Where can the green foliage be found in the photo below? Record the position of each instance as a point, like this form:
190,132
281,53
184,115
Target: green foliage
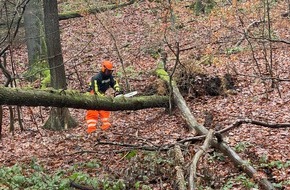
35,166
33,176
263,159
138,186
131,154
242,146
146,166
276,164
281,184
92,164
228,185
119,185
241,179
287,164
216,156
23,177
202,6
234,50
246,181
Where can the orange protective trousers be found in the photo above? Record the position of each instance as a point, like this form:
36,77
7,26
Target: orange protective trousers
92,120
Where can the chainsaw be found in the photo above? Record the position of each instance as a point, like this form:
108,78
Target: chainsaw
127,95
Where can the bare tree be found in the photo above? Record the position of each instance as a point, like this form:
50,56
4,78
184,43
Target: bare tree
34,35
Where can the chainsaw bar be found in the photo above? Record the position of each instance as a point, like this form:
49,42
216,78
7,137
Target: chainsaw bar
127,95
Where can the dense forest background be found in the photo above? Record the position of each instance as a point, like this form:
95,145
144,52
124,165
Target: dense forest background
230,61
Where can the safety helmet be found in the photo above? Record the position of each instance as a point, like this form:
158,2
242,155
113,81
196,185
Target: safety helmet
107,65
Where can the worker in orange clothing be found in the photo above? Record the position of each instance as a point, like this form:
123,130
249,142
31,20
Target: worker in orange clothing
99,84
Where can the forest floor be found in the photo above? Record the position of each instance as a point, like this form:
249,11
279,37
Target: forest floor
139,31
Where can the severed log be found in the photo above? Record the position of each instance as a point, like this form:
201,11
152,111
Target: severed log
70,99
193,165
201,130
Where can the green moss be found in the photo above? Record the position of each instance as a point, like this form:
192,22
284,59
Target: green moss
202,6
161,72
37,70
45,82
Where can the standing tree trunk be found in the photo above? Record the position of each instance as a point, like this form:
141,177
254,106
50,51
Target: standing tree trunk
1,119
59,117
34,34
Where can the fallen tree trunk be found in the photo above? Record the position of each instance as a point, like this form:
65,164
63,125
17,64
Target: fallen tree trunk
200,129
70,99
75,14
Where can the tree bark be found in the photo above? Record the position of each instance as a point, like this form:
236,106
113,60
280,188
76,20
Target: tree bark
70,99
179,161
180,178
200,129
34,34
1,119
59,118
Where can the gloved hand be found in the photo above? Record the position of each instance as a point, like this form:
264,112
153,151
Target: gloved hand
118,93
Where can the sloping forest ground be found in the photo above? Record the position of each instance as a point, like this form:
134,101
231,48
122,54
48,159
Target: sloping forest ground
139,31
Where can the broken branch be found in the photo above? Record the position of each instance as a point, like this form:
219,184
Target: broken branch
193,165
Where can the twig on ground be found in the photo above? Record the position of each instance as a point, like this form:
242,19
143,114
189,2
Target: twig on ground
254,122
166,147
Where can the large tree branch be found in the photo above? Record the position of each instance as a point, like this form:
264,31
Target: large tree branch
70,99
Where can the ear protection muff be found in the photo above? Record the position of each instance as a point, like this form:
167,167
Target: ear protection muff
103,69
